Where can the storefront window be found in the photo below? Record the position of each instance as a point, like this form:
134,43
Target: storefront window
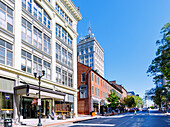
6,105
30,108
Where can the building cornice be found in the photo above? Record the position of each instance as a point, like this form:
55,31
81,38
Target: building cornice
22,73
74,9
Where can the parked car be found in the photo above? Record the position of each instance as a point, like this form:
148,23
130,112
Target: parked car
144,109
131,110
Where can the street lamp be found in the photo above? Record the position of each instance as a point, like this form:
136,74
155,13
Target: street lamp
39,100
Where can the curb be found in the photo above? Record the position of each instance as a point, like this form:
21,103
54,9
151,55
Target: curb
84,120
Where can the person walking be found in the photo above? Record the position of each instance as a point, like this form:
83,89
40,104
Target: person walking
135,111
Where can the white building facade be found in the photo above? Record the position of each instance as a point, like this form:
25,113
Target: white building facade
90,53
38,35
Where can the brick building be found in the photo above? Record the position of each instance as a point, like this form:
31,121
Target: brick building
93,90
124,91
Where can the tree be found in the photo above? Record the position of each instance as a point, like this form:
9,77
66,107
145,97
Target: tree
158,95
113,99
160,66
130,101
138,101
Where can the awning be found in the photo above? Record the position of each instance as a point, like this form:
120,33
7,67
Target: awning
34,92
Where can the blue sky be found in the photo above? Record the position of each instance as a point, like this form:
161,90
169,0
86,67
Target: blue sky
127,31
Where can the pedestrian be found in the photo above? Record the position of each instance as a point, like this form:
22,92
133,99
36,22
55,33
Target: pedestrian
135,111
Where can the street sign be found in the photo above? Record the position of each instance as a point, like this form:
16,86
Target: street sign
7,96
39,102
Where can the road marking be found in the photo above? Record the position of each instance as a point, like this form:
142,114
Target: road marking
87,124
124,122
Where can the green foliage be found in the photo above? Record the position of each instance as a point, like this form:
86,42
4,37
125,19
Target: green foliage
160,66
158,95
138,101
130,101
151,107
113,99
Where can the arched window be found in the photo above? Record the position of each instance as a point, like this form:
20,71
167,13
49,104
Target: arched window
64,35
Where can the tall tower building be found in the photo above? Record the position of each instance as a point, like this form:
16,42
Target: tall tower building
38,35
91,53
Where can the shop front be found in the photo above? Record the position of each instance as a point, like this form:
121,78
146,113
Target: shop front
6,98
30,109
65,107
95,106
29,104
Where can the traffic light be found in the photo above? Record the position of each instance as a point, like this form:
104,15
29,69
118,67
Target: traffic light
27,90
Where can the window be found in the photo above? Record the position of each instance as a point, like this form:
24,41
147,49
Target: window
83,91
38,11
26,61
82,59
47,68
64,77
26,31
6,17
82,52
95,79
98,92
70,41
58,52
83,77
46,20
104,94
91,49
6,53
70,61
62,34
86,60
37,65
58,75
27,4
93,90
61,12
70,80
91,60
92,77
37,38
58,31
98,80
101,82
64,56
86,50
47,44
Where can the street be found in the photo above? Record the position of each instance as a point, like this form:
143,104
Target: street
142,119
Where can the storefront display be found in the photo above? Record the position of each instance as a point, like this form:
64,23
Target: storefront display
6,98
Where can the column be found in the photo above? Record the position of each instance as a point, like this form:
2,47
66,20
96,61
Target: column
16,107
17,44
92,109
75,62
75,104
53,49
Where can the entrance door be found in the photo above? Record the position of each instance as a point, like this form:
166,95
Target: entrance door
29,108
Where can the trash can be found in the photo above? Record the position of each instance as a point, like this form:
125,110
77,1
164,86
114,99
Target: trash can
7,122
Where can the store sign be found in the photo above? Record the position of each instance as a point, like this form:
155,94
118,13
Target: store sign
39,102
7,96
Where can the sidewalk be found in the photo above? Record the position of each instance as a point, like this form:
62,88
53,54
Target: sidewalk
50,123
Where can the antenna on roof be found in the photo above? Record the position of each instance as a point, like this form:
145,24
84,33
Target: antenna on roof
89,29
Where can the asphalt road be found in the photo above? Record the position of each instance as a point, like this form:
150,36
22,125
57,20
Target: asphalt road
142,119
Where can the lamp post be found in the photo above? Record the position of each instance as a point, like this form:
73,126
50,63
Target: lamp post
39,100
